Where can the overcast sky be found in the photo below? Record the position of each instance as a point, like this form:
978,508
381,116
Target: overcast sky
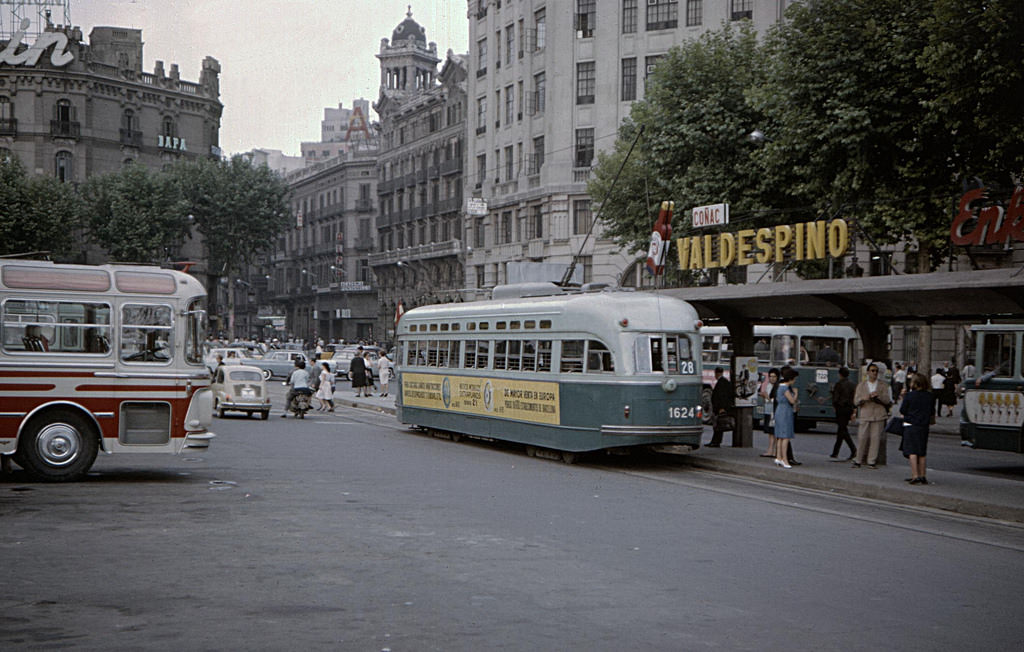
282,61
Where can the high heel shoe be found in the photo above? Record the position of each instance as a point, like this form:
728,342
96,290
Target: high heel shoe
783,464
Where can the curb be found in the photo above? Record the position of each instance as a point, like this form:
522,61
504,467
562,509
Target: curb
897,494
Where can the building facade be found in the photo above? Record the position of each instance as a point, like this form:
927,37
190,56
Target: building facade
420,253
318,278
79,109
341,130
548,86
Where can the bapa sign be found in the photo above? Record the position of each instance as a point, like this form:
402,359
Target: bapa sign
30,55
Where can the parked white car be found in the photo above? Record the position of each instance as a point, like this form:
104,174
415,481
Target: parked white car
231,355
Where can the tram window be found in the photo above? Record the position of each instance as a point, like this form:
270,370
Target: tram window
442,353
599,358
762,350
784,350
529,355
680,359
499,353
823,351
56,326
432,353
483,348
572,356
456,327
514,325
543,355
545,323
501,325
433,328
513,361
484,325
471,326
444,327
470,361
146,333
998,353
529,323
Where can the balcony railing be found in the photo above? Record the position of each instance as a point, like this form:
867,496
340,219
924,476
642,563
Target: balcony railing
65,129
364,205
131,138
9,127
451,166
419,252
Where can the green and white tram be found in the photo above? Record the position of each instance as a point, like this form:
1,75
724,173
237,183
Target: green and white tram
569,372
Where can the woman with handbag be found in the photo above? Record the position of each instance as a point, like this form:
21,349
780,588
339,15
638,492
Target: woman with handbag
767,394
918,411
785,416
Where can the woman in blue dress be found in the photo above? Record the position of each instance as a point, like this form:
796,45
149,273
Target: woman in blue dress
918,411
785,397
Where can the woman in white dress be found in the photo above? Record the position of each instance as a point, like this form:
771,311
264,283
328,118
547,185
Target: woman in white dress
326,391
384,373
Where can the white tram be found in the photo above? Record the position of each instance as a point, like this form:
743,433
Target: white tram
571,371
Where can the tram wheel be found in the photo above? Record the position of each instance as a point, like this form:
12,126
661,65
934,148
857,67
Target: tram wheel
531,451
58,447
456,437
569,457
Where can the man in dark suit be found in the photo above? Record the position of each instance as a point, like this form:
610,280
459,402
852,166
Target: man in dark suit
723,400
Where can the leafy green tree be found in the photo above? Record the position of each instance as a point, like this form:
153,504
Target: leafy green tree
36,213
239,208
136,215
694,149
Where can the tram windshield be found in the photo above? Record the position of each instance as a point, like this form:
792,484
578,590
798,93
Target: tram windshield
998,353
661,354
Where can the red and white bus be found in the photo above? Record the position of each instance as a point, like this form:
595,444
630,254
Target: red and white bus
99,358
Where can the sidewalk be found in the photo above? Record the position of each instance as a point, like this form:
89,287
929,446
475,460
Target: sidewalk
962,480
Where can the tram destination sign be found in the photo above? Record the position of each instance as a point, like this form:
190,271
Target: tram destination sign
802,241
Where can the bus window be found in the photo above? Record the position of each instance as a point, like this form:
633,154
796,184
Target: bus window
572,356
823,351
599,358
998,353
784,350
145,333
56,326
195,333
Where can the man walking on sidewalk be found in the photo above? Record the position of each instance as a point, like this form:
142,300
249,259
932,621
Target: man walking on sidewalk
842,401
723,399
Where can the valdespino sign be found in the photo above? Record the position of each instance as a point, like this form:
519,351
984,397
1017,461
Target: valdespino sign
801,241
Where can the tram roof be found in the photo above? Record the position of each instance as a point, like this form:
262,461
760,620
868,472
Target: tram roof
644,310
996,294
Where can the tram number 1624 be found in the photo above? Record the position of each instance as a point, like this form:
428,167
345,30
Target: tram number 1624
683,412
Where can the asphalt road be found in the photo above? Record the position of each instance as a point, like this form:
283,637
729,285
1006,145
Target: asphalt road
349,532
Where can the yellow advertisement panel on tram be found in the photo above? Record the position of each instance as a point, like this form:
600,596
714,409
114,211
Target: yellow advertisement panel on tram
536,402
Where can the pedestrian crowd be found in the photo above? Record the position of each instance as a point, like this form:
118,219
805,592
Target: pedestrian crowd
906,405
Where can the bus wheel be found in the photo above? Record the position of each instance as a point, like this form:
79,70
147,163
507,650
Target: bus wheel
58,447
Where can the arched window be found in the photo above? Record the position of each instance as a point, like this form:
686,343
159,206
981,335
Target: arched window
62,167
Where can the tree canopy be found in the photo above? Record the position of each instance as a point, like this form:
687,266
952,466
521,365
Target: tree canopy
36,213
877,112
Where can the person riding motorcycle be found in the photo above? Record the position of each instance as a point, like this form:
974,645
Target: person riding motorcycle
299,382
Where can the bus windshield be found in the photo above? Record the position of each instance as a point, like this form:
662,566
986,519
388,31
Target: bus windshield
998,353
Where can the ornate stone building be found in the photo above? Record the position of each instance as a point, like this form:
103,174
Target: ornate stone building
420,252
76,109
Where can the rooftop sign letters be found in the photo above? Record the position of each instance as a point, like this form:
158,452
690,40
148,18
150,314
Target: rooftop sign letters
30,55
975,224
803,241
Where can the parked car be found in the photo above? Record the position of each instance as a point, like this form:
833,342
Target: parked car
232,355
239,388
280,363
343,358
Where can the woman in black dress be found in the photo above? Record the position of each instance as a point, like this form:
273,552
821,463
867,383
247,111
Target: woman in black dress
918,411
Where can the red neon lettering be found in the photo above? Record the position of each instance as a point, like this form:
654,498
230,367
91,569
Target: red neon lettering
992,224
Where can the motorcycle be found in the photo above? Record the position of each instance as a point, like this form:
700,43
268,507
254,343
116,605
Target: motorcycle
299,405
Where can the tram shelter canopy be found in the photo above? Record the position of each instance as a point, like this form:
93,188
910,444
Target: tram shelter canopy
871,304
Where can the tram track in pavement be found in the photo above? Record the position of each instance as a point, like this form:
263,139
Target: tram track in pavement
923,520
